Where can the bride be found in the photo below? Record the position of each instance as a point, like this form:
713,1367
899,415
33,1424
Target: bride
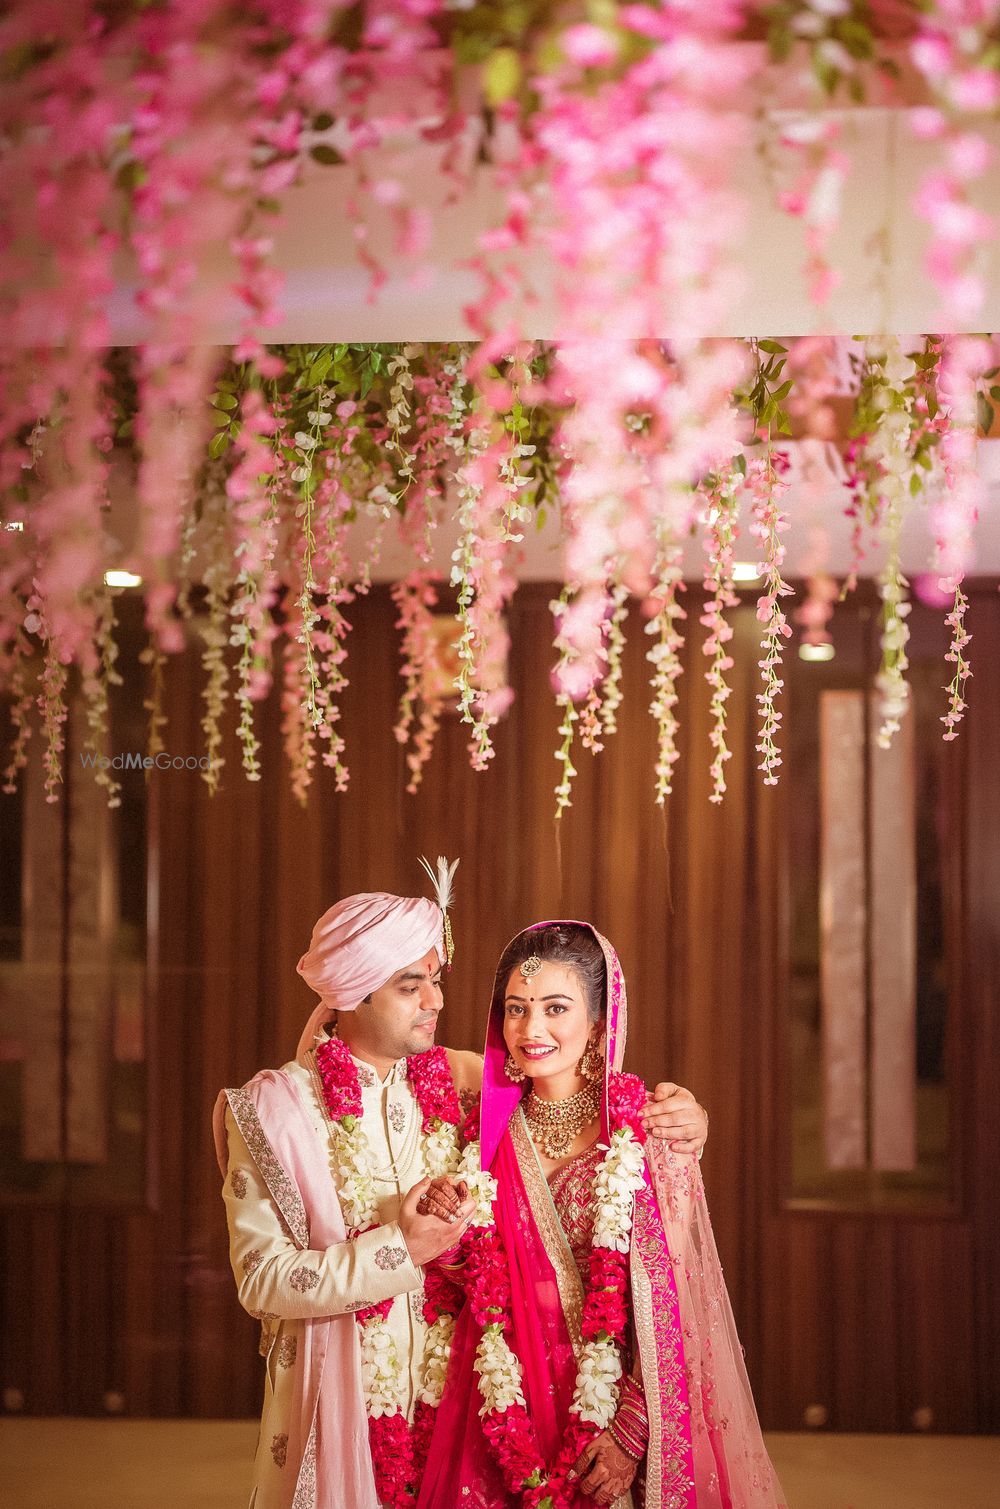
595,1360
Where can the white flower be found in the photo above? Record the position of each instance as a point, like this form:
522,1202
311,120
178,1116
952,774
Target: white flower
441,1151
381,1372
482,1186
596,1396
499,1372
437,1350
620,1175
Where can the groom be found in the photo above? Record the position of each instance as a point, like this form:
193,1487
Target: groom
333,1266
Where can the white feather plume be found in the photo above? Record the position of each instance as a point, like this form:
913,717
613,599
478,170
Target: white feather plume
441,879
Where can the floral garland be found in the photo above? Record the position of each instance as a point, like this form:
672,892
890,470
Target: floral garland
506,1423
398,1448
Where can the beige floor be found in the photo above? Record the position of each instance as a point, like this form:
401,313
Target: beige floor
183,1464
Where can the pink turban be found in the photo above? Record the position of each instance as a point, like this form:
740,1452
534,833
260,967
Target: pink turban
358,944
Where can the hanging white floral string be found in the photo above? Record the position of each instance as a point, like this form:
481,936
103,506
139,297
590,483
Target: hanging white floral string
664,654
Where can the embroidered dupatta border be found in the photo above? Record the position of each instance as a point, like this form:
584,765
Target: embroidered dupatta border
549,1228
669,1462
283,1190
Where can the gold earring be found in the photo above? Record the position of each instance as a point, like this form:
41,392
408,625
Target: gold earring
512,1071
591,1065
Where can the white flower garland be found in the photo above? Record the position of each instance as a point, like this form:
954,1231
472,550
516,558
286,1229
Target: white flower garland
384,1378
620,1175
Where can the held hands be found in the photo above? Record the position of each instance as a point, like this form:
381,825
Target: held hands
673,1113
429,1235
604,1470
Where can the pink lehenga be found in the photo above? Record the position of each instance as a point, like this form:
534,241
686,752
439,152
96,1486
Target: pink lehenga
705,1449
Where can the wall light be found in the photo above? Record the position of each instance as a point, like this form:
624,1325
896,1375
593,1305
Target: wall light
816,652
122,579
745,572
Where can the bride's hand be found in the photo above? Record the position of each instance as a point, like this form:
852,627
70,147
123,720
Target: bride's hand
443,1198
604,1470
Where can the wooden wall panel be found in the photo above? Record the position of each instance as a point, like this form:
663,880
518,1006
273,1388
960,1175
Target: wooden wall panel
870,1317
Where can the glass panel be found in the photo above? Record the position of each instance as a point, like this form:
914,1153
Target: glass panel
73,1077
906,1018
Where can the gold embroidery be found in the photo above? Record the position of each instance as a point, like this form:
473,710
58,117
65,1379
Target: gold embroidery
279,1449
305,1485
282,1189
252,1261
303,1279
389,1257
238,1183
553,1237
572,1191
288,1347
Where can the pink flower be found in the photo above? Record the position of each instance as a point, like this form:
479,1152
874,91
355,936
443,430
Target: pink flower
589,46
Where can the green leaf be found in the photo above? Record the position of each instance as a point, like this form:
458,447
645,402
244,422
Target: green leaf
221,421
740,464
219,444
329,156
986,413
915,485
323,121
995,394
225,400
783,391
774,346
319,369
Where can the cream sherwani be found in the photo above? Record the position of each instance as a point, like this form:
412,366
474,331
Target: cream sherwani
284,1286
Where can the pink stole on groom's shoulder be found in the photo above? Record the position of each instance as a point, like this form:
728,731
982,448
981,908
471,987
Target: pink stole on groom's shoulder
328,1448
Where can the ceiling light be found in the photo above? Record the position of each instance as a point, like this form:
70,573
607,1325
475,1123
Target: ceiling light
14,524
814,652
745,572
122,579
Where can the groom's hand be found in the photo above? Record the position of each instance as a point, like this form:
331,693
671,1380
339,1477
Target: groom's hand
427,1236
673,1114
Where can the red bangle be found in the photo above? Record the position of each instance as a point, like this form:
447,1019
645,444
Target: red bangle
625,1442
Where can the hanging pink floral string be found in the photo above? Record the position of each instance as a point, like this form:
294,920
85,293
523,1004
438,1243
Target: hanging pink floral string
721,504
955,51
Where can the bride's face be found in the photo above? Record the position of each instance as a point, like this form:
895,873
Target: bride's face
546,1027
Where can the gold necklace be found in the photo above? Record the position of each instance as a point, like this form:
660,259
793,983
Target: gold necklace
555,1124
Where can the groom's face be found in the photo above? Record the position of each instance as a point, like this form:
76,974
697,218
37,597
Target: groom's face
401,1017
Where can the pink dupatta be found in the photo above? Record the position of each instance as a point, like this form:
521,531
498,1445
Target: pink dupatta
705,1448
328,1427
